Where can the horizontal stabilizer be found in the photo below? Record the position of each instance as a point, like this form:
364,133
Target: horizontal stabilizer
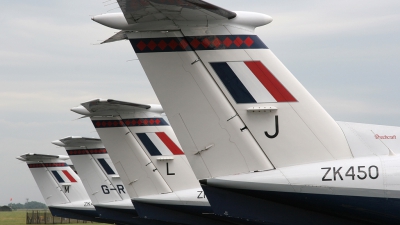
165,21
76,142
139,11
102,107
41,157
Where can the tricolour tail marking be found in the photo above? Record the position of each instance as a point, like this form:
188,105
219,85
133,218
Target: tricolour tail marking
63,176
158,143
251,82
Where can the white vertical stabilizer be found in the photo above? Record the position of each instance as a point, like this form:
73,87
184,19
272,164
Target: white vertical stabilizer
296,131
96,170
140,133
221,86
58,183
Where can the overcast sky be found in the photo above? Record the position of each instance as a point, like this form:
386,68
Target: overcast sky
346,53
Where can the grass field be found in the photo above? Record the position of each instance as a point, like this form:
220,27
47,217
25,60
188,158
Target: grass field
19,218
12,218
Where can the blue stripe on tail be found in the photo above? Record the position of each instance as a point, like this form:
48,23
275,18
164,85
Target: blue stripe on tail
58,177
151,148
106,167
238,91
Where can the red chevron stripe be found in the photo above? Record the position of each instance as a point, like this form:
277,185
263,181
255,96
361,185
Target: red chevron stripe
71,178
169,143
277,90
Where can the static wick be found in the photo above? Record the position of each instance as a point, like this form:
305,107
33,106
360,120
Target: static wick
131,60
195,61
112,9
232,117
110,4
133,181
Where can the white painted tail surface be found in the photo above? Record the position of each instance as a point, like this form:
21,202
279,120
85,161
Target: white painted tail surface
96,170
58,183
158,141
139,175
142,134
233,105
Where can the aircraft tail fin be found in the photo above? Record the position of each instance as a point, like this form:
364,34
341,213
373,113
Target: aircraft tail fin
136,170
57,182
95,168
147,133
247,84
221,86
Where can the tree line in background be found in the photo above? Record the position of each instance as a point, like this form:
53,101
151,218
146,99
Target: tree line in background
27,205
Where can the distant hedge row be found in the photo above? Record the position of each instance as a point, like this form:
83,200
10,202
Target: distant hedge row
5,208
28,205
